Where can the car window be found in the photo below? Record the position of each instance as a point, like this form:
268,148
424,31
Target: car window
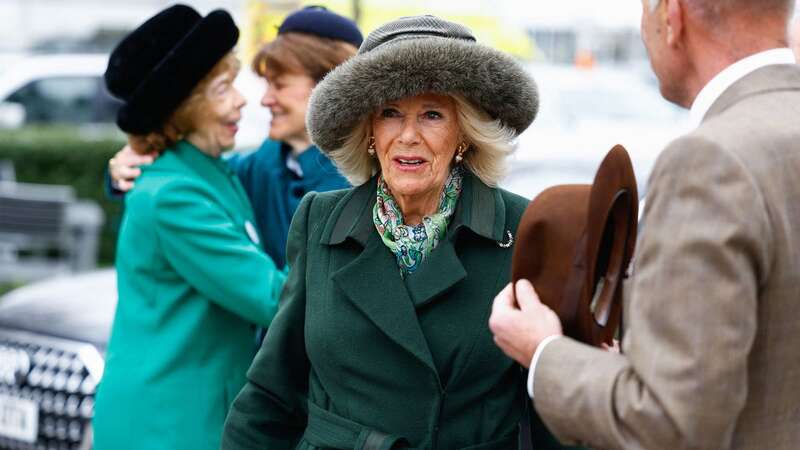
59,100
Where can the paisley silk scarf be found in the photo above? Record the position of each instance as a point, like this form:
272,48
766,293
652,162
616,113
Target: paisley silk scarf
411,244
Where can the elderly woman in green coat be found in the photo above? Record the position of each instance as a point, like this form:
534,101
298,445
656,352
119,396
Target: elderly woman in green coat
193,279
381,340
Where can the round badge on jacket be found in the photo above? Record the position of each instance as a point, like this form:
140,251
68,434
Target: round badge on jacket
251,232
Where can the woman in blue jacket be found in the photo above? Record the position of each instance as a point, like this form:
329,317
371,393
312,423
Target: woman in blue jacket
310,43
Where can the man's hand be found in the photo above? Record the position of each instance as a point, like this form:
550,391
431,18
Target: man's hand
520,325
124,167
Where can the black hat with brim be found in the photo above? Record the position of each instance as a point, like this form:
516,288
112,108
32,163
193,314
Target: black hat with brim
154,69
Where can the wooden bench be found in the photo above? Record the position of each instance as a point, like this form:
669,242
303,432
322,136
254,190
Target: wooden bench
45,231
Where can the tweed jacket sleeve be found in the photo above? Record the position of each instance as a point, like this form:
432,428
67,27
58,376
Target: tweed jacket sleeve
691,312
204,246
272,414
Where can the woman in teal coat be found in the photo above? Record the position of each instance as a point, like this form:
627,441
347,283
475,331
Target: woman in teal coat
382,341
309,44
193,280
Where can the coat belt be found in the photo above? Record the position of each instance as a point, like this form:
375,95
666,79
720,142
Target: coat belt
327,430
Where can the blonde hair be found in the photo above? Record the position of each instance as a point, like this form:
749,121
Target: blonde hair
182,121
488,140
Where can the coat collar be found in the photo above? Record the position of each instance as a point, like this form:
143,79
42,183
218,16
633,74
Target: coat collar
778,77
375,271
480,209
729,75
199,161
215,171
312,164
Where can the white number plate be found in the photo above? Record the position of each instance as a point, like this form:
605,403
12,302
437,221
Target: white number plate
19,418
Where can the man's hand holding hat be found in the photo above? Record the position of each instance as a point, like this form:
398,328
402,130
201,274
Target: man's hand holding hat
520,321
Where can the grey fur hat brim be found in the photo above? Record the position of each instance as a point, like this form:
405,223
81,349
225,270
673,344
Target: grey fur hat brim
407,67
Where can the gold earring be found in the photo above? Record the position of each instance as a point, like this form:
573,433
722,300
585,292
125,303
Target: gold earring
462,148
371,146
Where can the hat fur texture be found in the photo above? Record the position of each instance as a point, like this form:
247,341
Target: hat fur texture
413,64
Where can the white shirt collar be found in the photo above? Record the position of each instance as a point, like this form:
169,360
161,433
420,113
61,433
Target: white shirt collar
733,73
294,165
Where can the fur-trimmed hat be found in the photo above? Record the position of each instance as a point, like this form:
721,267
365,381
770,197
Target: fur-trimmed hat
317,20
157,65
415,55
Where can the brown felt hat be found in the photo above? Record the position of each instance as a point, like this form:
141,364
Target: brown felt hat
574,243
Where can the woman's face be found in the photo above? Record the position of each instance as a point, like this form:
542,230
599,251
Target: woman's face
216,125
415,142
286,98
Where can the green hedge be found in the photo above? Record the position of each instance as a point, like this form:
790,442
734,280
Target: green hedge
75,157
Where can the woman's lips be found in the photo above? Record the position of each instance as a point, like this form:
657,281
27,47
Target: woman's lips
409,164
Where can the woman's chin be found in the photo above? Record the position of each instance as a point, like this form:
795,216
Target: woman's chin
228,145
277,132
412,188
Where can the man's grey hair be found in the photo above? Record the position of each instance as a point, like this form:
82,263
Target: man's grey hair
712,10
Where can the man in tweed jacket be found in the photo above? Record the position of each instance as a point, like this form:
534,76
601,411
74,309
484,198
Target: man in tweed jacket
709,357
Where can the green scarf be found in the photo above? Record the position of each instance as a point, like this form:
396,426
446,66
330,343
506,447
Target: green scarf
412,244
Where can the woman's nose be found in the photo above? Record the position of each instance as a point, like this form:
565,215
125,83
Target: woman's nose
240,100
409,135
268,99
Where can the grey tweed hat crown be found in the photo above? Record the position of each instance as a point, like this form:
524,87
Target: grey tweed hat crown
415,55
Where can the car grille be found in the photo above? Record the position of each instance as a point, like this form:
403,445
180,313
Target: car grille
56,375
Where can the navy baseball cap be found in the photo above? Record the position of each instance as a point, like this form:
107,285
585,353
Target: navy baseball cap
317,20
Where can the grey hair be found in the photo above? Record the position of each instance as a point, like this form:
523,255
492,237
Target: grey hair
489,144
712,10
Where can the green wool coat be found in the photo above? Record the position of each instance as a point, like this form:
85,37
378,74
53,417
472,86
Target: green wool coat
192,283
360,358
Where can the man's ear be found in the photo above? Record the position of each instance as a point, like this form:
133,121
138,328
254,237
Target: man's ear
674,11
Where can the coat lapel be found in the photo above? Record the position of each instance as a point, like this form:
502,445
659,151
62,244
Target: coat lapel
435,275
218,174
373,284
778,77
371,281
444,268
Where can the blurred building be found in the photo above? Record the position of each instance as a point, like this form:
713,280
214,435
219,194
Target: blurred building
586,46
487,21
561,31
586,32
81,25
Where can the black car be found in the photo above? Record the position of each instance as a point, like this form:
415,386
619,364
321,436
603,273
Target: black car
53,338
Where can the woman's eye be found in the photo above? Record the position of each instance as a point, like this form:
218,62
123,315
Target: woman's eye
433,115
389,112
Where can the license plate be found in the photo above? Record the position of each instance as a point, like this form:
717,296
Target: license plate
19,419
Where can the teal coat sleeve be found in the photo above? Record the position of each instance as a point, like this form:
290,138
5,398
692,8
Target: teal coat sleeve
274,416
203,246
